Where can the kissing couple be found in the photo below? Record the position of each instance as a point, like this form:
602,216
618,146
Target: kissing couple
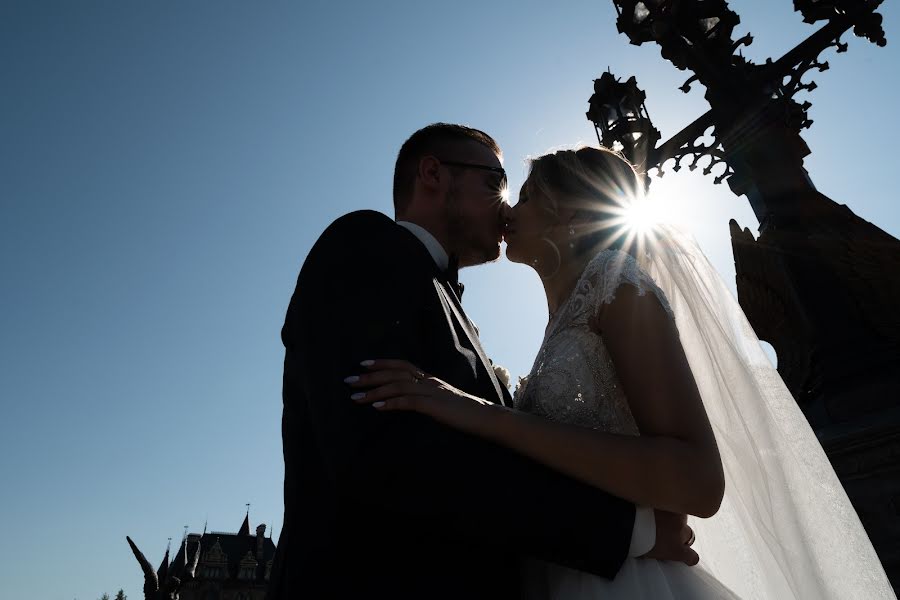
651,433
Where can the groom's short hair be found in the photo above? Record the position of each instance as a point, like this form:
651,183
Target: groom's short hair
432,139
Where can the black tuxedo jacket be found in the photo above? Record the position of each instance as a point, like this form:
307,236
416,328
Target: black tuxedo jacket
396,505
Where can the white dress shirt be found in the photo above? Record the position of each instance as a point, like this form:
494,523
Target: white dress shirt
440,256
643,534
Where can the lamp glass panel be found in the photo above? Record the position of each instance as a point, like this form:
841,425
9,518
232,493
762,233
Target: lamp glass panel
707,24
640,13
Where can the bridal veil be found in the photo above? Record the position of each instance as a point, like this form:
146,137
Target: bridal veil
786,528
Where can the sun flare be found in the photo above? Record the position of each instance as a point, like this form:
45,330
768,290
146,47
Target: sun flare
640,215
635,220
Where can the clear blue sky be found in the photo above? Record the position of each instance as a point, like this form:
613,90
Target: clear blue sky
166,166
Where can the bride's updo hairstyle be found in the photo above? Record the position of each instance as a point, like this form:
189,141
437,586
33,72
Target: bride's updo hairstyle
598,183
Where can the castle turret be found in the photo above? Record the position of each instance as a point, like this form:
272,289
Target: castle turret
245,526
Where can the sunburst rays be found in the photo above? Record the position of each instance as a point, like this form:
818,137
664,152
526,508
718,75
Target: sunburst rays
631,223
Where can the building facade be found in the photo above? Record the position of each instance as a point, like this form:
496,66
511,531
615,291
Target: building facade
231,566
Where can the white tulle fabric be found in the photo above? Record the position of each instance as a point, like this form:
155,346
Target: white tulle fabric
786,529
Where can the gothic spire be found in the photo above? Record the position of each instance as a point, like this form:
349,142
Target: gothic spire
245,526
184,547
179,567
162,574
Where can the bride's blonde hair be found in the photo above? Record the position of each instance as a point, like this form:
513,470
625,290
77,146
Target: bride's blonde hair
596,182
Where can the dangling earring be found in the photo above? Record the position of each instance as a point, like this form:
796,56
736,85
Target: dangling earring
571,237
558,258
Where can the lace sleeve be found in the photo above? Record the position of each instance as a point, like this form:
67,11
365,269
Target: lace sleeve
603,277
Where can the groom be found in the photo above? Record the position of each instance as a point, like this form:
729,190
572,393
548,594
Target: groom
395,505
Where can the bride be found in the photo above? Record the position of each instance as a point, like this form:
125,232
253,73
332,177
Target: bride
651,385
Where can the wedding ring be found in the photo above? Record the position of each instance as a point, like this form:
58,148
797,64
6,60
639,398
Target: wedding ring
418,376
691,541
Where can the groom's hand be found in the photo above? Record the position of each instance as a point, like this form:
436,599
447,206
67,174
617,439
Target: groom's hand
673,539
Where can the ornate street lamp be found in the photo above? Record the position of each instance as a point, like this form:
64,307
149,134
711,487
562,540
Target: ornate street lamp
868,23
622,123
745,97
815,10
682,28
636,18
620,118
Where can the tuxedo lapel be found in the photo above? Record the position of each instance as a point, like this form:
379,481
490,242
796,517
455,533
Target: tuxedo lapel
449,299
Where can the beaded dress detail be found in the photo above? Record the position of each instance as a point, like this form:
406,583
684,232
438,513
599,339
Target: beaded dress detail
573,379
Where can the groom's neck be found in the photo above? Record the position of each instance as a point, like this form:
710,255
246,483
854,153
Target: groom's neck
429,237
436,230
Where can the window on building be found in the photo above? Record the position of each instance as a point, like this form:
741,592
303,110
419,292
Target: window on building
213,572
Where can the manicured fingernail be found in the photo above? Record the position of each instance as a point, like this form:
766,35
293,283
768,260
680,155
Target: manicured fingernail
378,404
352,379
367,363
358,396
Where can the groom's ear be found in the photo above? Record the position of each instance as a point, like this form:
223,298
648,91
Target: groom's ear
429,173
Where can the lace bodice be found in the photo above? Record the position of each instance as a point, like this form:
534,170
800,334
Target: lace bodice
573,379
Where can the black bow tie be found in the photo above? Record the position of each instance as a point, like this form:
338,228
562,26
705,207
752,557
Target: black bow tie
452,276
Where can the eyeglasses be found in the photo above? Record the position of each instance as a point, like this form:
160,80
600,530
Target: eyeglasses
498,170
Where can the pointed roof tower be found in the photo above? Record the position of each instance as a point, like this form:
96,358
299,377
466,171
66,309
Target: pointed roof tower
179,566
162,573
245,526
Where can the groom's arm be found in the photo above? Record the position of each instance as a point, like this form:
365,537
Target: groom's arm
406,466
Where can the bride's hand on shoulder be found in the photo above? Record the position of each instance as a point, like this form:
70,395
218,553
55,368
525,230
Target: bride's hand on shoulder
392,385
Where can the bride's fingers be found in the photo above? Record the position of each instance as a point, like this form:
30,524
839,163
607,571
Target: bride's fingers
375,378
387,391
691,557
399,403
390,364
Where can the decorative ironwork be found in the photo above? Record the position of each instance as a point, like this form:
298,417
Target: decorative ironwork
697,151
697,35
691,35
696,23
621,121
868,22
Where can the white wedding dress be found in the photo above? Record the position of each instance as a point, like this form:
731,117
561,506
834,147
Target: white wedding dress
786,528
